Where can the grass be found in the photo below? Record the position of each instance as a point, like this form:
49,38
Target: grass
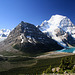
17,53
16,62
59,74
39,67
6,53
18,59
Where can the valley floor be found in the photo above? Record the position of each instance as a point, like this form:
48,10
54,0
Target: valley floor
60,74
31,65
54,55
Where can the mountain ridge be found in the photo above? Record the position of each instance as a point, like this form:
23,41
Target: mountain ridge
28,38
58,27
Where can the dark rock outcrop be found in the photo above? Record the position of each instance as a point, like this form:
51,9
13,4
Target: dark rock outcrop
26,37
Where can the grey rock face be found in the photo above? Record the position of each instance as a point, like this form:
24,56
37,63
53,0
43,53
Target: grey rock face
69,40
26,32
28,38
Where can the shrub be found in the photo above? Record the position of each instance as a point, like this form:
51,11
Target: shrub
66,63
49,70
61,71
55,70
73,70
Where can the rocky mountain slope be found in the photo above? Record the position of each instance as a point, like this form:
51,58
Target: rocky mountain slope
29,39
60,28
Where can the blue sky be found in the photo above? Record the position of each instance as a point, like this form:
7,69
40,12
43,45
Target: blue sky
12,12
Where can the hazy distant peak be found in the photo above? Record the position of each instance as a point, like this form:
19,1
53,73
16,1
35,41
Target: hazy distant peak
4,33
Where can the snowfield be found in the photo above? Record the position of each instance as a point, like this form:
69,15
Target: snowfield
56,24
4,33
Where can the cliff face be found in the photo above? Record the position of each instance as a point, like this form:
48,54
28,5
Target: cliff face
27,38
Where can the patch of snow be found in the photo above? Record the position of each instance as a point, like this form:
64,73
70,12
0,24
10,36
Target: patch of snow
44,31
73,36
58,22
22,41
29,41
4,33
2,38
22,38
73,31
34,40
20,25
74,51
59,40
29,37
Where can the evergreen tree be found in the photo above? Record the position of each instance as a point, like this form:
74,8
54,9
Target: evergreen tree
43,72
73,70
62,63
66,63
71,63
55,70
61,71
49,70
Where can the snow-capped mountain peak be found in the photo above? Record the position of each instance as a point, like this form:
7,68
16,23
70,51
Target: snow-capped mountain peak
55,19
57,27
4,33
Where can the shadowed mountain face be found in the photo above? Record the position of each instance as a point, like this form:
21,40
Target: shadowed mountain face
29,39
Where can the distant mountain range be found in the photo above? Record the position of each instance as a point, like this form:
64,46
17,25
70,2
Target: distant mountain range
4,33
56,33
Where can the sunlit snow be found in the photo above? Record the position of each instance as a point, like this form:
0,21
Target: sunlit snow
4,33
57,22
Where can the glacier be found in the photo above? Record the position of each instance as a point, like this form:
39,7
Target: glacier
57,27
58,24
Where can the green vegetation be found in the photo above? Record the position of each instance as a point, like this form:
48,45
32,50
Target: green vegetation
61,71
12,53
19,59
48,70
73,70
66,63
55,70
37,68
